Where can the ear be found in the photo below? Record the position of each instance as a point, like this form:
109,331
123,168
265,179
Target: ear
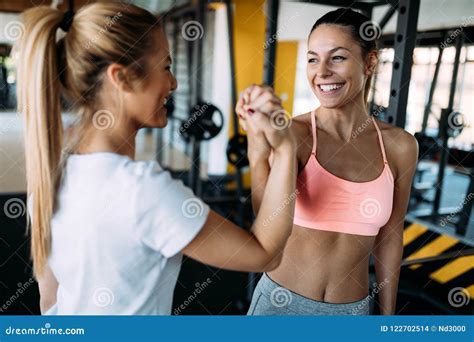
371,63
119,77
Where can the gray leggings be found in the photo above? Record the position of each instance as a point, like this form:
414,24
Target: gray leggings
269,298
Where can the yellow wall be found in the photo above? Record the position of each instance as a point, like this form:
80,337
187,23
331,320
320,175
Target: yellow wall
249,38
285,72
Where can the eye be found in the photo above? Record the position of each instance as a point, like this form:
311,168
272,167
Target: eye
338,58
312,60
168,68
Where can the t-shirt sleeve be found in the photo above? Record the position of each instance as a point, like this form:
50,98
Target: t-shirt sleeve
169,215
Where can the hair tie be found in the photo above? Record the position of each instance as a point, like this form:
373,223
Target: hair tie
67,21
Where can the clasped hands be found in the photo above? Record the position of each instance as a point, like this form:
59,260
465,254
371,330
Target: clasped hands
267,124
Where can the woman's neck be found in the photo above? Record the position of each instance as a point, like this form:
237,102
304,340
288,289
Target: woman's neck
120,140
343,121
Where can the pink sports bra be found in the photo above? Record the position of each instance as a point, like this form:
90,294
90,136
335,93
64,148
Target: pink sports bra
327,202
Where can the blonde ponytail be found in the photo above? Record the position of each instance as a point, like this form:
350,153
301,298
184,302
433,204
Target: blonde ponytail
39,102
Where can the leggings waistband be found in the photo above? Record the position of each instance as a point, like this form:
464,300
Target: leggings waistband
279,298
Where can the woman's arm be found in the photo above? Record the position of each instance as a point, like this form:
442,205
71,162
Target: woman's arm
222,244
388,248
260,154
259,170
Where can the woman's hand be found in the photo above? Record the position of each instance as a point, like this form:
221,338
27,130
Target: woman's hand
241,112
258,147
261,98
257,100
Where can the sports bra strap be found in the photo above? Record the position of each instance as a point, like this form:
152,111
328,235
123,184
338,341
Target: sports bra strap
380,140
313,126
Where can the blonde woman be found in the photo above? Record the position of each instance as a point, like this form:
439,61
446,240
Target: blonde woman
108,232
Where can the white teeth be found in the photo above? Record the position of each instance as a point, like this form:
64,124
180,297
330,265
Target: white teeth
165,100
329,87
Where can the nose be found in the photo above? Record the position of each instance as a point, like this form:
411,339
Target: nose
323,70
174,83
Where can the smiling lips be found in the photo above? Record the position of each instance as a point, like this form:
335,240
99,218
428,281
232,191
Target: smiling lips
330,88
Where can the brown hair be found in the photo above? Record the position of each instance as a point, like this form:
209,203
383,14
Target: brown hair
364,31
74,66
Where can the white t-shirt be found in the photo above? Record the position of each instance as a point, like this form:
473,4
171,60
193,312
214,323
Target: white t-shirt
117,236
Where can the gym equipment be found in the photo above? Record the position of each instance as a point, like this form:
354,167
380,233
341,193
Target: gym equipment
453,125
204,123
4,86
434,82
428,146
237,151
465,212
444,127
224,193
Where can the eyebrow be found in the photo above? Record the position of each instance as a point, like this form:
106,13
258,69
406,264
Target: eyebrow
330,51
169,60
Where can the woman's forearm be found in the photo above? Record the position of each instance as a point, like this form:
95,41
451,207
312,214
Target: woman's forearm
388,260
259,172
272,225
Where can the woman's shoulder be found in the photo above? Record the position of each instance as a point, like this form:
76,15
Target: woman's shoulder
401,146
144,168
139,175
397,138
301,129
301,125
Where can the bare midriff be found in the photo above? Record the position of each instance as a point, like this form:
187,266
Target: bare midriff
325,266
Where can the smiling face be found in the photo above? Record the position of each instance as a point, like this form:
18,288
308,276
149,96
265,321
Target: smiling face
337,70
146,104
